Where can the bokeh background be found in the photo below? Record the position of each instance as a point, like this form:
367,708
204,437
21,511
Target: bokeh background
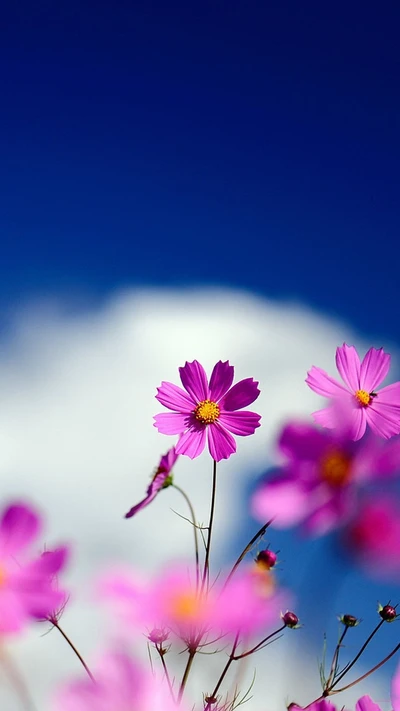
188,180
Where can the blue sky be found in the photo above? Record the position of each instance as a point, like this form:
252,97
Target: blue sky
249,144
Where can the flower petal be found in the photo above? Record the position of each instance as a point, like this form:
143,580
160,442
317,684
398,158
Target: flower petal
359,423
240,423
174,398
241,395
322,383
221,380
221,444
395,690
348,365
192,442
194,380
300,440
171,423
19,527
383,420
374,369
325,417
283,500
365,703
141,505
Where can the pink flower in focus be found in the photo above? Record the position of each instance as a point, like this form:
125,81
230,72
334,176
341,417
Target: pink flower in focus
207,410
379,408
158,482
317,484
26,584
121,685
247,604
373,536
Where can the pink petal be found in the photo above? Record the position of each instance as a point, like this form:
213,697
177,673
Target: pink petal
240,423
46,565
194,380
359,417
395,690
365,703
326,417
168,460
171,423
300,440
285,501
241,395
382,420
390,395
221,380
221,444
19,527
174,398
12,613
374,369
322,383
192,442
141,505
348,365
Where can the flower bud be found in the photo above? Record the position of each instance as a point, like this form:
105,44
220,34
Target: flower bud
157,636
290,619
349,620
388,613
266,559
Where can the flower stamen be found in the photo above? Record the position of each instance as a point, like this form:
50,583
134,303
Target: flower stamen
335,469
207,412
363,397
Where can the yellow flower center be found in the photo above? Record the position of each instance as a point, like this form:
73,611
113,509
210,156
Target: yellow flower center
185,606
2,576
363,397
335,469
207,412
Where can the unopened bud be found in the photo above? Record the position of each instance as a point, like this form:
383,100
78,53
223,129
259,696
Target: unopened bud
388,613
290,619
266,559
158,636
349,620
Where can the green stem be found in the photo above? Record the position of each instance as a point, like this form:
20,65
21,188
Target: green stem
196,540
259,645
357,657
224,672
74,649
210,526
248,548
368,673
335,659
161,652
192,652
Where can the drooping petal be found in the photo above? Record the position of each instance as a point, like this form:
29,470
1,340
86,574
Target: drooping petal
365,703
284,500
241,423
171,423
348,365
301,440
174,398
241,395
221,380
168,460
221,444
194,380
374,369
141,505
192,442
19,527
322,383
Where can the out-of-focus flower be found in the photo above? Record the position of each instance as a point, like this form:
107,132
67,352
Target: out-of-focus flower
379,408
207,410
26,582
161,479
395,690
364,703
318,483
248,603
373,536
121,685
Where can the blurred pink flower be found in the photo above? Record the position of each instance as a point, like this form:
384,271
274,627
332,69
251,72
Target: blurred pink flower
247,604
26,583
317,484
373,535
395,690
207,410
379,408
364,703
158,482
120,685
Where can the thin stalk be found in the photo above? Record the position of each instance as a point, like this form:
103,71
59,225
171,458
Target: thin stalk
74,649
259,645
196,540
210,526
335,659
161,653
245,550
192,652
224,672
368,673
358,655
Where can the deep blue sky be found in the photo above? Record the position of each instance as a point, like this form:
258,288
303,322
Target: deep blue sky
248,143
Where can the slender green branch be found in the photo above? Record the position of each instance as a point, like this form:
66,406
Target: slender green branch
210,527
259,645
224,672
196,541
335,659
358,655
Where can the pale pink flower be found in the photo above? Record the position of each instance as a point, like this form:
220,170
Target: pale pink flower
120,685
207,410
380,409
26,582
160,480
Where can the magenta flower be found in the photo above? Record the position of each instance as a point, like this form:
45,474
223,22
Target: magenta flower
26,584
121,685
207,410
318,483
379,408
365,703
373,536
395,690
158,482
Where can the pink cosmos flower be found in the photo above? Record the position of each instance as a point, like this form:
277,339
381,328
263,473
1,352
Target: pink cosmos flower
207,410
317,485
373,536
121,685
379,408
365,703
26,583
158,482
247,604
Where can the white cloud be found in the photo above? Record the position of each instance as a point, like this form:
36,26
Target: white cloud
76,434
